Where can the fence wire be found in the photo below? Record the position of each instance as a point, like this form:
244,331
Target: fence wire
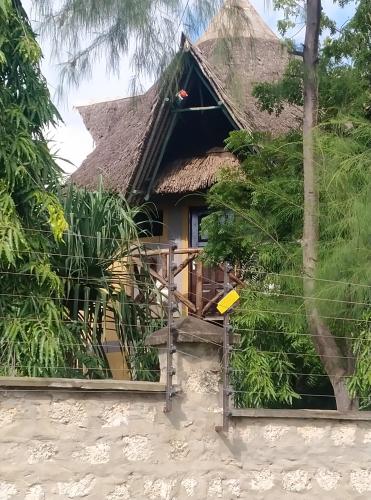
109,316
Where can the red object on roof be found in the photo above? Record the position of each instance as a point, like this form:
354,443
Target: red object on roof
183,93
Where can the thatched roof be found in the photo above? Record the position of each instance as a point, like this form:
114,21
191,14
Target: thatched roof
198,173
100,118
119,129
129,132
237,19
243,51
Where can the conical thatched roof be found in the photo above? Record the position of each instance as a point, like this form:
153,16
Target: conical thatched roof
237,19
237,51
242,51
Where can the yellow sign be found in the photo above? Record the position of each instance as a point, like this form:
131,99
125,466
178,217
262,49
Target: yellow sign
227,302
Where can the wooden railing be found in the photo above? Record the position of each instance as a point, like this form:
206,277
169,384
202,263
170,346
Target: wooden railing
199,287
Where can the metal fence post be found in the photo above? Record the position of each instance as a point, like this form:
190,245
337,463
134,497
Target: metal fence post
171,349
226,354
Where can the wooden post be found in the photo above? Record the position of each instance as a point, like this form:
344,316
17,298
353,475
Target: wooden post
199,288
164,265
226,354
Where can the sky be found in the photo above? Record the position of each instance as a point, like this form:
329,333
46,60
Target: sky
71,140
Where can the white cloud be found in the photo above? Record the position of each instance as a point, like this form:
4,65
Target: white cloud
72,143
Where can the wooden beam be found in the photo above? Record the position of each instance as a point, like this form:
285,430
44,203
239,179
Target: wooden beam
205,108
25,383
179,251
185,301
214,300
187,250
185,263
232,276
237,280
164,264
213,93
177,295
169,131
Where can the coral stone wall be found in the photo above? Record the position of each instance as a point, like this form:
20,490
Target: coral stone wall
112,446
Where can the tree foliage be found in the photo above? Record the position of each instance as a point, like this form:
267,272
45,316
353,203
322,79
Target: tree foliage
344,71
57,246
261,210
33,335
87,31
93,263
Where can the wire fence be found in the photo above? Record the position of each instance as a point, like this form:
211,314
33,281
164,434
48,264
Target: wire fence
105,310
92,323
304,375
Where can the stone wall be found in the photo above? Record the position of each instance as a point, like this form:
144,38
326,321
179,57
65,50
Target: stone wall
111,446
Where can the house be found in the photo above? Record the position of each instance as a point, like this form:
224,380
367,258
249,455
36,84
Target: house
166,146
